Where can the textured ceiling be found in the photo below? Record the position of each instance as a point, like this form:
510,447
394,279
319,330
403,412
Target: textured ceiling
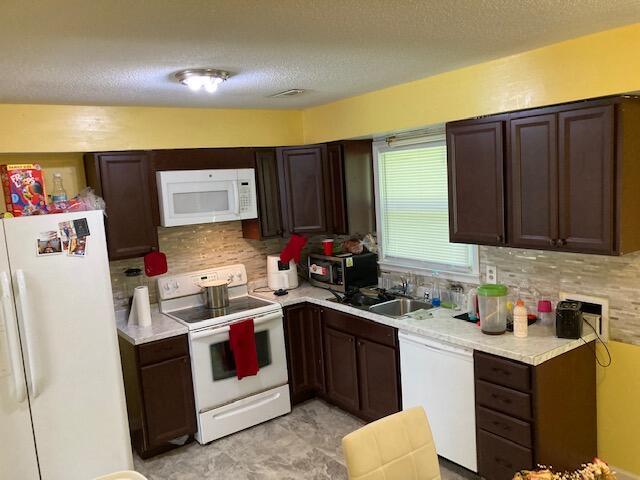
114,52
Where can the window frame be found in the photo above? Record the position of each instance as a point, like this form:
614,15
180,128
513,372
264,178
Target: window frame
394,264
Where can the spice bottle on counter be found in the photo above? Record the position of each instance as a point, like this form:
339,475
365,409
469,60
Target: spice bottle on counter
520,322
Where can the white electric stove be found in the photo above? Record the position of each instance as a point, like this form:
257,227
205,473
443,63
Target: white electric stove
224,404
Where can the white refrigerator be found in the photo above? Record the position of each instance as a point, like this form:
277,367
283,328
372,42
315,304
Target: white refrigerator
62,405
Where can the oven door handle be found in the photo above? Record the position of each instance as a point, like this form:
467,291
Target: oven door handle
211,331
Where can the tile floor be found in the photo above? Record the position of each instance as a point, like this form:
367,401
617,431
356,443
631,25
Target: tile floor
302,445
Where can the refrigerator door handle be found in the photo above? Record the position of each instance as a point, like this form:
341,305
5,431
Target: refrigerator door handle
26,322
13,340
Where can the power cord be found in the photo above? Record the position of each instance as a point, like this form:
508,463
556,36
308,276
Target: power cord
595,354
267,289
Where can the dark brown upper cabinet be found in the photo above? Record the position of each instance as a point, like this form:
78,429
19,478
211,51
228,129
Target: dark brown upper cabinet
269,221
351,182
304,188
534,182
125,181
586,179
561,180
475,158
571,177
338,196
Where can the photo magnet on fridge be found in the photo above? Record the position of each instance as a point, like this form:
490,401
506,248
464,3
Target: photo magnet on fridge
67,231
77,247
82,227
48,243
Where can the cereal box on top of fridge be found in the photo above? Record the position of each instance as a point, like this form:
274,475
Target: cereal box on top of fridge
24,192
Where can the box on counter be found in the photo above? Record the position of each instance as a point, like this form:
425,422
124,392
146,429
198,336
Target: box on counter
24,191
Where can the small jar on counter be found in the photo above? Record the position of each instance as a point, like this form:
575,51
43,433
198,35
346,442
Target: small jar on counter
546,314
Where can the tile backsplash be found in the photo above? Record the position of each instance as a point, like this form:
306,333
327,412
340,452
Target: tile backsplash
529,273
615,278
196,247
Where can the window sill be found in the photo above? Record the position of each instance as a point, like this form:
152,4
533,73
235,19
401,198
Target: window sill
473,278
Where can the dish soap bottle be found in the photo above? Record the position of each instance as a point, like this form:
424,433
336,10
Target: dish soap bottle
59,194
435,293
520,322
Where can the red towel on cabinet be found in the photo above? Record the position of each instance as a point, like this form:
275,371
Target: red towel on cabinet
293,249
243,345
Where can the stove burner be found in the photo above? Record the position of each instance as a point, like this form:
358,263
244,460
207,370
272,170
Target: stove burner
236,305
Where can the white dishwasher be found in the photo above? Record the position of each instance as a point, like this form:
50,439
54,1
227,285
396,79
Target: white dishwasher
439,377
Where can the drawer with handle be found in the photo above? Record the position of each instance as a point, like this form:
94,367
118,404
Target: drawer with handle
503,399
502,371
500,459
507,427
160,350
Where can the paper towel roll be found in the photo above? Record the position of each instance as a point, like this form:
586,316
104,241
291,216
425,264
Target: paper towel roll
140,313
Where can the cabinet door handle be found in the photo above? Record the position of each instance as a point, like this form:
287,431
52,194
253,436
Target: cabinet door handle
503,462
552,242
562,242
503,426
501,371
501,398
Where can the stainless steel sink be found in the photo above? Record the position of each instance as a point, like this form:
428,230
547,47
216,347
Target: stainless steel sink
399,307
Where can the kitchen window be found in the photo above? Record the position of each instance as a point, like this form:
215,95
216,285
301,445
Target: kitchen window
413,210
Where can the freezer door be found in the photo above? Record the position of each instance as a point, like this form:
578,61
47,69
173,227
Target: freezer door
66,317
18,451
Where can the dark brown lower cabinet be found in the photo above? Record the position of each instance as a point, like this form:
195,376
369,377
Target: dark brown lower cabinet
349,361
159,391
341,365
378,380
528,415
303,340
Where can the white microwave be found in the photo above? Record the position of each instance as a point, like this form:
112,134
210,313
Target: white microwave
188,197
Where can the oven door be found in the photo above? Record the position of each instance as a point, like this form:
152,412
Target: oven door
198,196
214,373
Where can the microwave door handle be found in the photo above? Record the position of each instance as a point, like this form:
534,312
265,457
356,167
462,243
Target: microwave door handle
237,198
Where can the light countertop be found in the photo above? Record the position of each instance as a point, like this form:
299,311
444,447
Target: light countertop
161,327
541,344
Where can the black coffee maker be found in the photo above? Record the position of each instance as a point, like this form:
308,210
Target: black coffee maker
569,319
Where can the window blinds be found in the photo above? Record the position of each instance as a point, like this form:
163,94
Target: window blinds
414,209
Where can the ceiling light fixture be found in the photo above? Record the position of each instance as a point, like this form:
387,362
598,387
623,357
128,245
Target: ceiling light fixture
202,78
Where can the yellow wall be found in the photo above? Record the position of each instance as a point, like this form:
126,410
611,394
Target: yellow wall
619,408
67,128
589,66
30,132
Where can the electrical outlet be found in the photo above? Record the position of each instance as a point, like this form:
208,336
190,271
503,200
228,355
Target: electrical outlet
492,274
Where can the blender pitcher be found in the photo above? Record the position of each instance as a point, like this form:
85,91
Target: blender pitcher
492,301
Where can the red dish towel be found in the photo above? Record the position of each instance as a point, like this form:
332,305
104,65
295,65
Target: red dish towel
243,346
293,249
